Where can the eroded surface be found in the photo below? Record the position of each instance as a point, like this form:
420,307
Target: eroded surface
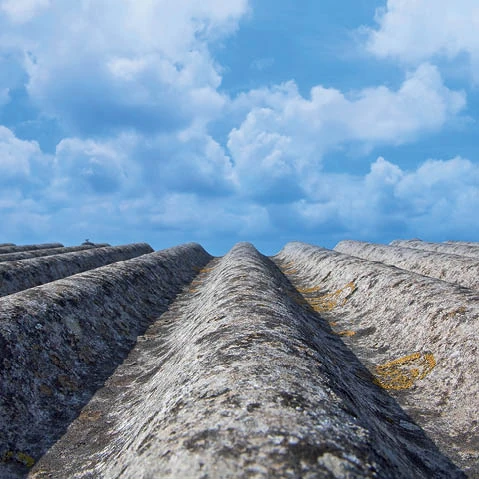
417,335
457,247
453,268
60,342
238,380
313,365
23,274
46,252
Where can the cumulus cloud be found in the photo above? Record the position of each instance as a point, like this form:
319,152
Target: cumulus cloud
137,155
101,66
415,31
283,138
93,186
19,159
437,197
105,186
89,166
131,164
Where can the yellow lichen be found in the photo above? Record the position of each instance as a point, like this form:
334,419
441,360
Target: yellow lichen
206,270
88,415
452,314
403,372
346,333
19,456
329,301
309,290
288,268
25,459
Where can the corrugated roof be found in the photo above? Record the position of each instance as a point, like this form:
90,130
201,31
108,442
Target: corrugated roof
359,362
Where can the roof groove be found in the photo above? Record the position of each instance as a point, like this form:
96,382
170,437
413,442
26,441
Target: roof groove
394,314
455,269
311,363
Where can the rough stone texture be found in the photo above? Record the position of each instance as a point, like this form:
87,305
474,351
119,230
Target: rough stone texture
448,248
59,342
6,248
46,252
325,368
418,336
6,244
238,380
19,275
464,243
455,269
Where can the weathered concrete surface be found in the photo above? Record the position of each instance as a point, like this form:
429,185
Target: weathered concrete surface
46,252
417,335
455,269
448,248
28,247
60,341
19,275
464,243
237,380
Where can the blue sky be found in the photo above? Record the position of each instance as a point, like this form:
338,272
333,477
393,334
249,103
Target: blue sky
218,122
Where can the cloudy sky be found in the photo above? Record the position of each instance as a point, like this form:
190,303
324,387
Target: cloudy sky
242,120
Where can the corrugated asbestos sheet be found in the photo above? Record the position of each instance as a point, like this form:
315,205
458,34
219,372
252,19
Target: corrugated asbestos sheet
122,362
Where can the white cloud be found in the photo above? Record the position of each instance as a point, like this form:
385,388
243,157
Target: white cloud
437,198
203,217
383,172
16,156
100,66
179,182
266,158
442,187
414,31
190,161
21,215
284,136
21,11
12,75
89,166
92,188
135,87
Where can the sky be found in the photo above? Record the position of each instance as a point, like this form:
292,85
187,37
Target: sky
216,122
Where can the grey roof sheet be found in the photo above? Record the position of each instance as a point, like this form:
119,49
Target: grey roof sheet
312,363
